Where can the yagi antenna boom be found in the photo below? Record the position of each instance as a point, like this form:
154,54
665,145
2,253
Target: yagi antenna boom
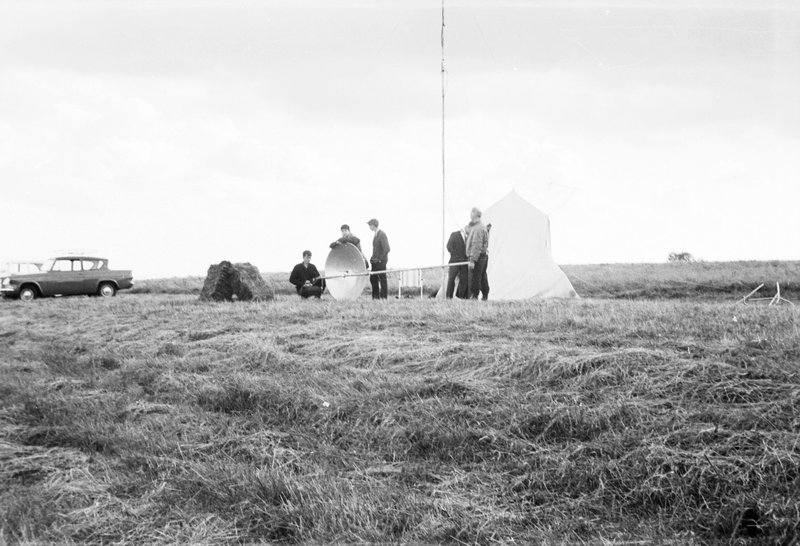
346,273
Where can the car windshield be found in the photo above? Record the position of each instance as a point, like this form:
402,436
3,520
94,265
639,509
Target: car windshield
47,265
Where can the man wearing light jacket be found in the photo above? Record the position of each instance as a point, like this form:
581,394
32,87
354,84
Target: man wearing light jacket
478,255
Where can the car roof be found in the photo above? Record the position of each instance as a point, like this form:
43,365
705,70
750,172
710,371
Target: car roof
79,258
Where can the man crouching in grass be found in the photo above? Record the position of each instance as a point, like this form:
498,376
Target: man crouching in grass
305,278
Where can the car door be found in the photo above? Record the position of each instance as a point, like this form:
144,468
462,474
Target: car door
92,271
65,278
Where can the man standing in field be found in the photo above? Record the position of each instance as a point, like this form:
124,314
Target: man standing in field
380,256
478,255
305,278
457,247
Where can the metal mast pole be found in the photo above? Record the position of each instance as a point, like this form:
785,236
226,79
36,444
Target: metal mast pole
444,271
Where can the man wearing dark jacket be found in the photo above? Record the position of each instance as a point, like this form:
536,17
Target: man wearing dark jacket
348,237
305,278
457,247
380,256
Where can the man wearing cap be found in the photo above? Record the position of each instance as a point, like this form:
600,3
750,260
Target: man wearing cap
305,278
380,255
478,255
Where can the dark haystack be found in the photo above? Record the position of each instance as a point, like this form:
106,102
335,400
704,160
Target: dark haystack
251,285
243,281
219,282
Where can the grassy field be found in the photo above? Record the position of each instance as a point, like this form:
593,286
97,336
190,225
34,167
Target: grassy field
707,281
157,418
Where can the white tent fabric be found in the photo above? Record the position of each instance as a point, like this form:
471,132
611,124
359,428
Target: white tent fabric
521,265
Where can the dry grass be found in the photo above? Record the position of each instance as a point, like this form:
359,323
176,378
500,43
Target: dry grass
155,419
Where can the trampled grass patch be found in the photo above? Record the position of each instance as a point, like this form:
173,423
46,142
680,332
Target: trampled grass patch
157,418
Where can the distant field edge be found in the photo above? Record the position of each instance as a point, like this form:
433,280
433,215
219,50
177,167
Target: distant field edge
669,280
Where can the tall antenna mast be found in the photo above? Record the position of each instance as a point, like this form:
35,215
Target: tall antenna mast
444,271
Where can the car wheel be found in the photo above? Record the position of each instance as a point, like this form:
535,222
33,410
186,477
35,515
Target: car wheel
107,290
27,294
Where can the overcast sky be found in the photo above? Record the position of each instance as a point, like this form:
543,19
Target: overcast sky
171,135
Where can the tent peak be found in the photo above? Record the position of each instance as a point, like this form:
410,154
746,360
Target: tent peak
514,197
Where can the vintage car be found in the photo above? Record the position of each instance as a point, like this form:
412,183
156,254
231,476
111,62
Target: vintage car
67,276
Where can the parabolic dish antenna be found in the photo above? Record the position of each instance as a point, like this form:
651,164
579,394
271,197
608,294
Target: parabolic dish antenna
345,272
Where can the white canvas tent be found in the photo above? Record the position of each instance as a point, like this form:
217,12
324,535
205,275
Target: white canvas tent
521,265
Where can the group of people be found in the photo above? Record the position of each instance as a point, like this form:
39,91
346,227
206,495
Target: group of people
468,247
470,244
308,282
